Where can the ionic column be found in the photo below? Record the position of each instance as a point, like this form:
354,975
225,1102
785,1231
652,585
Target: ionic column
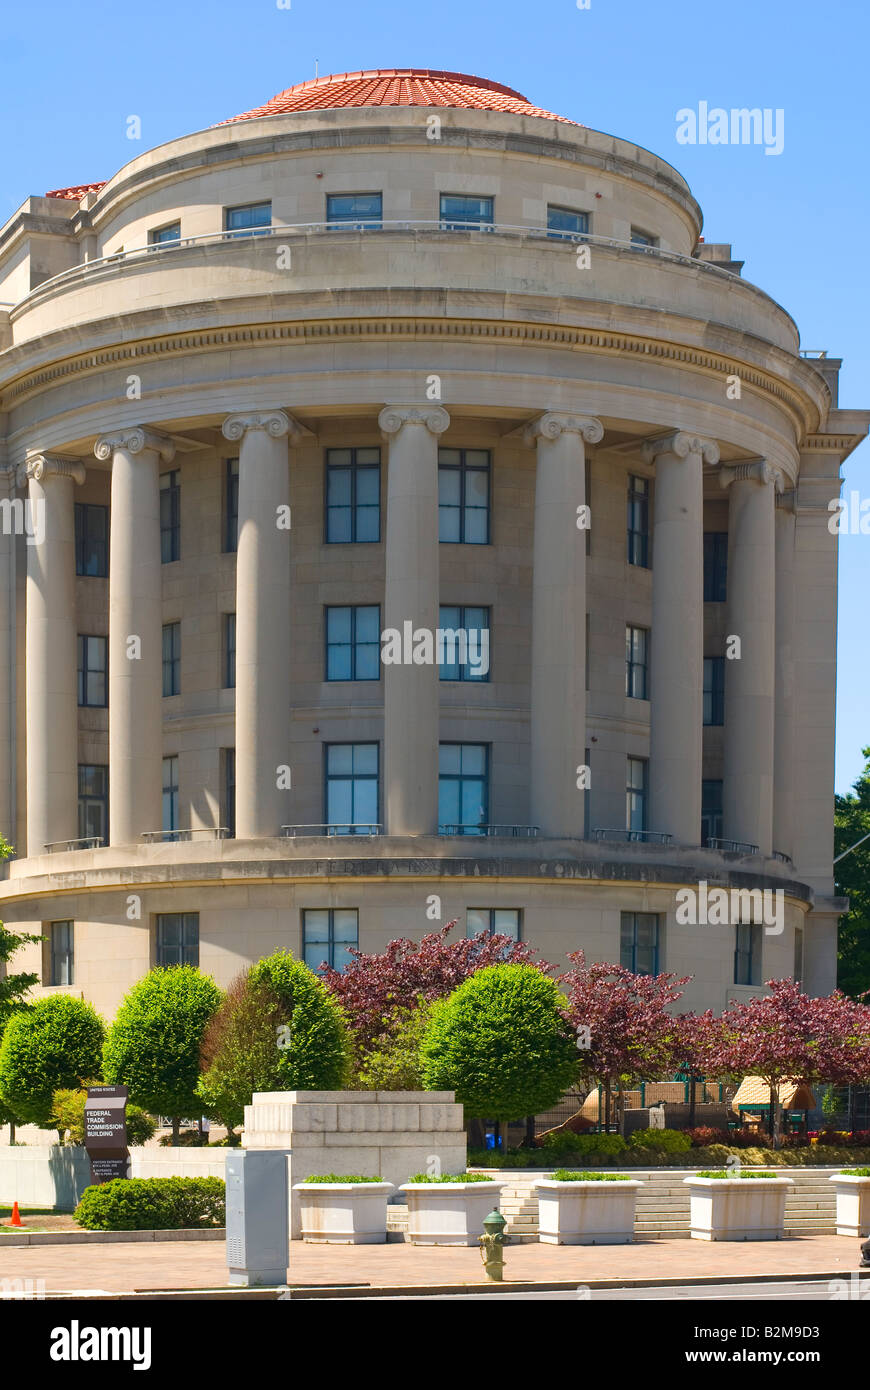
262,621
784,751
411,695
677,637
50,642
747,794
558,675
135,623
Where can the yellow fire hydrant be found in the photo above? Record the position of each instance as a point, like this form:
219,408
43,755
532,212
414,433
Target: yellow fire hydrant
492,1244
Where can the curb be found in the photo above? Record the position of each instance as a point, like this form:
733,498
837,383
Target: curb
106,1237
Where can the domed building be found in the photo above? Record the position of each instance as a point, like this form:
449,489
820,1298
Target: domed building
407,516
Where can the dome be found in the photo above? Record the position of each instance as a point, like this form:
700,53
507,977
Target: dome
398,87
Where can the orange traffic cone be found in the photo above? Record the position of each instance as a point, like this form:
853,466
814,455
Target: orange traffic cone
16,1216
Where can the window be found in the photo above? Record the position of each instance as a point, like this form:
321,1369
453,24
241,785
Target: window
638,522
327,932
747,954
161,236
495,921
639,934
228,814
711,810
565,222
715,566
94,801
177,939
463,788
636,786
170,794
355,210
170,517
353,636
253,219
93,655
461,210
714,690
61,946
231,505
639,238
92,540
463,496
798,971
351,785
229,651
465,643
353,495
637,663
587,794
171,658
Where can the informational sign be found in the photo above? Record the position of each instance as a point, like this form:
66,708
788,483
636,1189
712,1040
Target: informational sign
106,1132
657,1117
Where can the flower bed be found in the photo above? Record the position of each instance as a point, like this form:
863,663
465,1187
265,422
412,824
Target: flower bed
586,1208
449,1210
725,1206
343,1209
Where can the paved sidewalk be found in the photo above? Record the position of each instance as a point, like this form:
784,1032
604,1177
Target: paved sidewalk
170,1265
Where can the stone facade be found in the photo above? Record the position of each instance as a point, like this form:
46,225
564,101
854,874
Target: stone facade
124,359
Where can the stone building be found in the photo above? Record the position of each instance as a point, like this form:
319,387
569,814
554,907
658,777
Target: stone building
399,352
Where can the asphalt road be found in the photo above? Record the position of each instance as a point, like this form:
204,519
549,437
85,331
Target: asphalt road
801,1290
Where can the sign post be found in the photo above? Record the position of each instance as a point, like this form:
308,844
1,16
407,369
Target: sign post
106,1132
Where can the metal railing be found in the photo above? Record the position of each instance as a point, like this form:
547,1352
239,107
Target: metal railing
83,842
168,837
782,857
367,828
506,832
731,846
300,229
648,837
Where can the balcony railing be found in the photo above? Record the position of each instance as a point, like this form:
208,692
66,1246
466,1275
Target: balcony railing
83,842
506,832
647,837
783,858
168,837
367,828
731,846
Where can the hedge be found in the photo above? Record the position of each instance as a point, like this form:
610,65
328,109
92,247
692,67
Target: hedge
153,1204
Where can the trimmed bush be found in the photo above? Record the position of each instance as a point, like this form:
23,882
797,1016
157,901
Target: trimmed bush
663,1141
340,1177
604,1145
68,1113
856,1173
740,1173
52,1044
566,1175
501,1042
153,1204
424,1179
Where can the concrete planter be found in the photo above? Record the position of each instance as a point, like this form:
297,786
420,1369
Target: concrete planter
449,1213
737,1208
586,1213
344,1213
853,1204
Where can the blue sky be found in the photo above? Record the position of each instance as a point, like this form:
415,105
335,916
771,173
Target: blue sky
71,74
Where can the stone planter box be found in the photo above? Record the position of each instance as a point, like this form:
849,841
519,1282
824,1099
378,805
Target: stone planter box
449,1213
737,1208
344,1213
853,1205
586,1213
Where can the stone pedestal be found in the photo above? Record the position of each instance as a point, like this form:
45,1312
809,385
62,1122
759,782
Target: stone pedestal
386,1134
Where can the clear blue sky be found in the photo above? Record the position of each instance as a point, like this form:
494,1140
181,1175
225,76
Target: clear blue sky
70,74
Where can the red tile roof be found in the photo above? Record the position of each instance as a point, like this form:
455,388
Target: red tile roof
398,87
77,192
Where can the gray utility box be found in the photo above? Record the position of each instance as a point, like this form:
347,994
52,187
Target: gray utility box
258,1220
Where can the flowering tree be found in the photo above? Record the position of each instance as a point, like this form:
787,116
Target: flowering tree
374,987
788,1035
624,1030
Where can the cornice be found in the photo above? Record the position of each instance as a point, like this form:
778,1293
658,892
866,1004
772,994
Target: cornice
559,337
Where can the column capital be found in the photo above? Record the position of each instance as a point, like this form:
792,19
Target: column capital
275,423
135,440
753,470
554,422
40,467
433,417
681,444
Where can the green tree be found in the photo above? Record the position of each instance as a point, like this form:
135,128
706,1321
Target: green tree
52,1044
12,987
393,1062
279,1029
154,1043
852,880
502,1043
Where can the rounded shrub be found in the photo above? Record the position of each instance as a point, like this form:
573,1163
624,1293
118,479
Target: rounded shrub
317,1055
49,1045
501,1042
662,1141
153,1204
604,1145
